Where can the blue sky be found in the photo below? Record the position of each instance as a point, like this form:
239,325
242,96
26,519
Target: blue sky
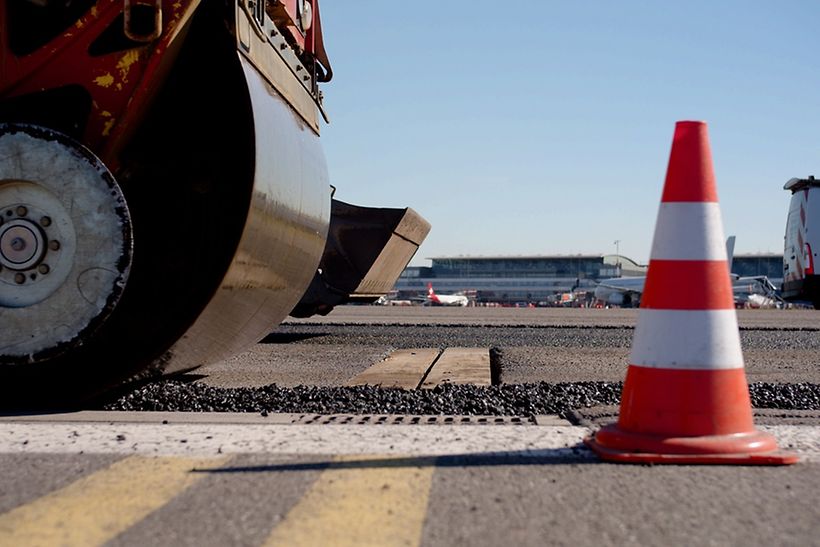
544,127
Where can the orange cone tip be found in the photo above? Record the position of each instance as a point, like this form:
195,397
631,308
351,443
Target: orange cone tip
685,398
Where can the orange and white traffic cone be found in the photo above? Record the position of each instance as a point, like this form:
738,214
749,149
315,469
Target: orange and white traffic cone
685,398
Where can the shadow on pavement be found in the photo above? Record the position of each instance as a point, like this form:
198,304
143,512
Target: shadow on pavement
577,454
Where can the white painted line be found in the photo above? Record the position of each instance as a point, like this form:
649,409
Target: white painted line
208,440
157,417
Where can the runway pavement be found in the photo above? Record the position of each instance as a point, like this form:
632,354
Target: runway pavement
302,479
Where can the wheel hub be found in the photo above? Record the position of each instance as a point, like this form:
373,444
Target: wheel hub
21,245
37,239
65,243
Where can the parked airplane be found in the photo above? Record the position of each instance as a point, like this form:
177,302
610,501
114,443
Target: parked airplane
621,291
627,291
445,299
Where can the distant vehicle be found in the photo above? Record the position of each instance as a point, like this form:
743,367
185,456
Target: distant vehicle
802,242
445,299
758,291
385,301
560,300
755,292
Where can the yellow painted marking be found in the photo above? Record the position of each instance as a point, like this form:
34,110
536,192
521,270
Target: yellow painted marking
125,63
359,506
403,368
460,366
107,127
105,80
96,508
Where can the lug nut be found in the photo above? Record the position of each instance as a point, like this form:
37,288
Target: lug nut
43,269
32,276
21,211
54,245
45,221
19,278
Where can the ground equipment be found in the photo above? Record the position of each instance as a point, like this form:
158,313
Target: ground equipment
800,279
164,197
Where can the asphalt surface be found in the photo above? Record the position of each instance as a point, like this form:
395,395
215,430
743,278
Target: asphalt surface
260,478
542,344
181,484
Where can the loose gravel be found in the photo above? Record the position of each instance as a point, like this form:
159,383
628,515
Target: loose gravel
503,400
415,336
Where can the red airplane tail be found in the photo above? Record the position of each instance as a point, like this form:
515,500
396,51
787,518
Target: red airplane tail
431,294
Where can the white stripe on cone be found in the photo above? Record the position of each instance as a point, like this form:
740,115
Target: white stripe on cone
687,339
704,242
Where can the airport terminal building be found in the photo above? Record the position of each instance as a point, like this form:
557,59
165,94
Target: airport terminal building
539,279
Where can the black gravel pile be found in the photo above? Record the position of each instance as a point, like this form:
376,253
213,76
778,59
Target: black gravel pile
502,400
802,396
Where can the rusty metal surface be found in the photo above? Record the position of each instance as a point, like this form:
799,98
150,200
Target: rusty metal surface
119,81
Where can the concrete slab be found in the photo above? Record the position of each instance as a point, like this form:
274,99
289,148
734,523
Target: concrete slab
460,366
403,368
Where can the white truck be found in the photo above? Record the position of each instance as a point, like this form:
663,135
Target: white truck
801,281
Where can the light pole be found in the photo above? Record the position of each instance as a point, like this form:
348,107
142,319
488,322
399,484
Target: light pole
618,257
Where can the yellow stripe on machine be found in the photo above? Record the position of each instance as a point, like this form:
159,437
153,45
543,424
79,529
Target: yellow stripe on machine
96,508
356,504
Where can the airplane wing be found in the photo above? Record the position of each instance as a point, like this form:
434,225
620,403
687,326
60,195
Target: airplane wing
624,284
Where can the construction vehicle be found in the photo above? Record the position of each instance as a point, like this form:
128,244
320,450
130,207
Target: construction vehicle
164,196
